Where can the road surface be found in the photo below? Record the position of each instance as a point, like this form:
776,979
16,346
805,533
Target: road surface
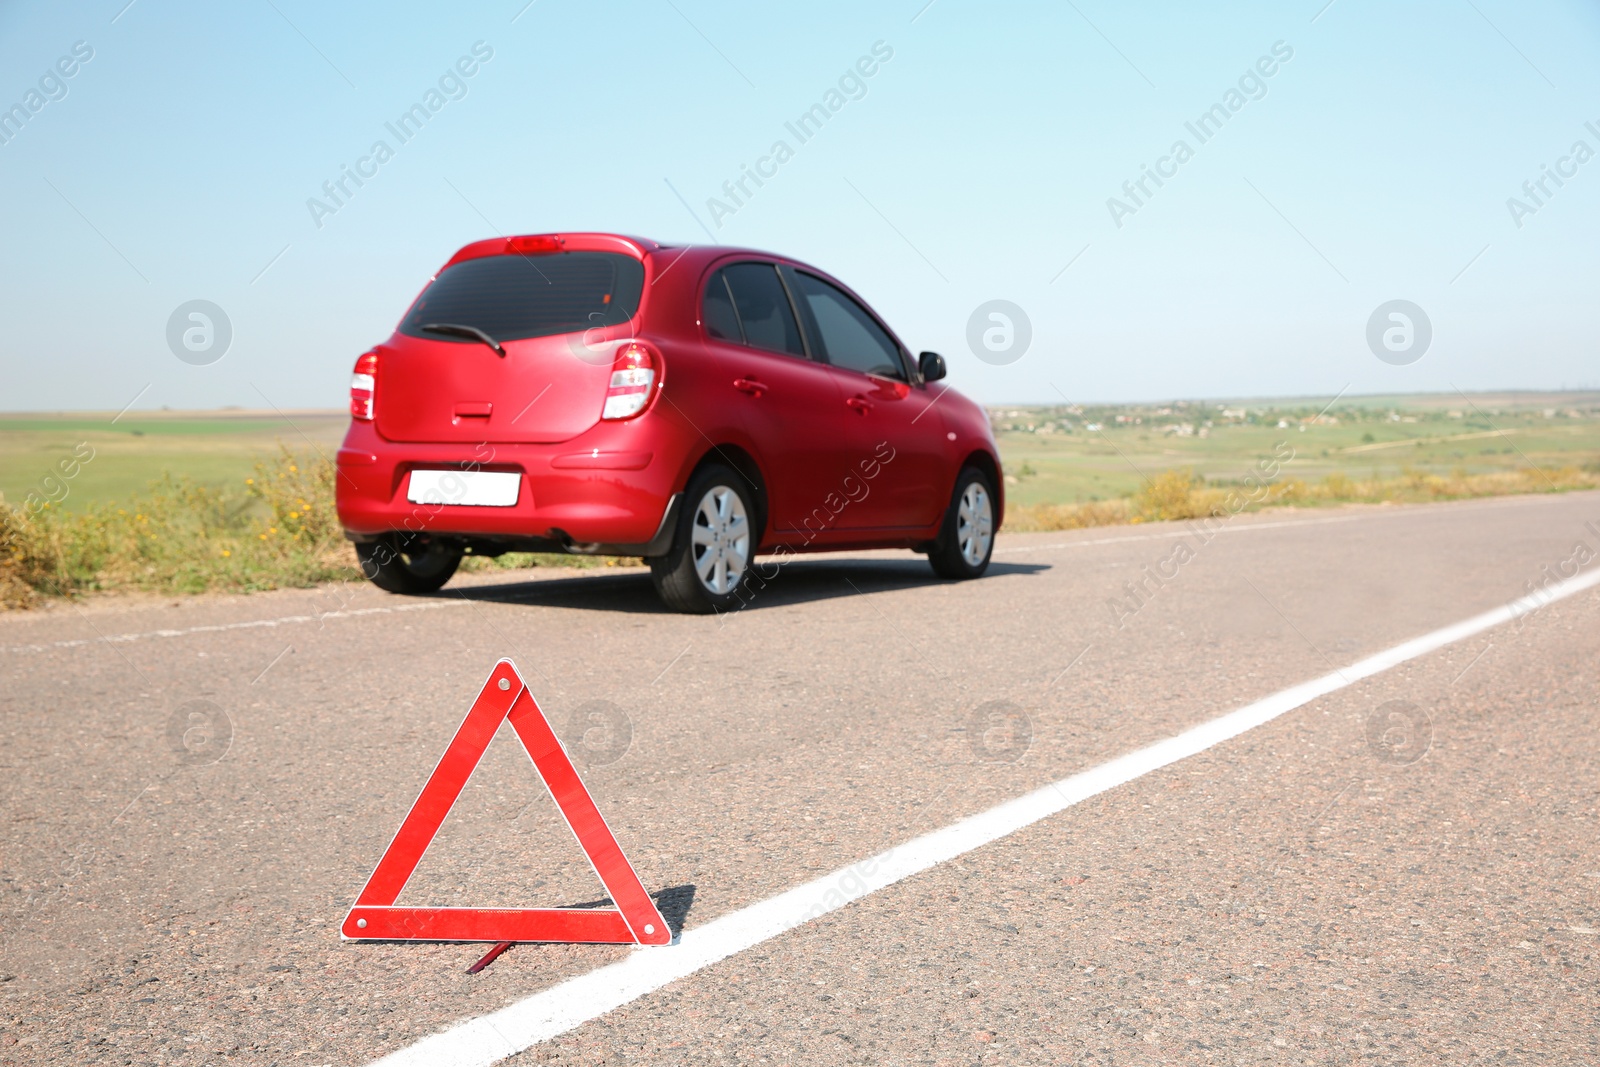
1403,870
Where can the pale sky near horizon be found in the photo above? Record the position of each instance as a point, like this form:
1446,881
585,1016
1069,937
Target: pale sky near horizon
978,162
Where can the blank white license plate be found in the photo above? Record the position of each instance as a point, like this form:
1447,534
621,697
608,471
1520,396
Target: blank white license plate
481,489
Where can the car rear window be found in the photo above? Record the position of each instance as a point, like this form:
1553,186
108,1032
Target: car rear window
512,296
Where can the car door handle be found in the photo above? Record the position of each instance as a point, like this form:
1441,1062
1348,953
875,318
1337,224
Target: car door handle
750,385
858,404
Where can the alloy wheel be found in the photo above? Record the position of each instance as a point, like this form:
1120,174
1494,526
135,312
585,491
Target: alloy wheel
974,524
721,540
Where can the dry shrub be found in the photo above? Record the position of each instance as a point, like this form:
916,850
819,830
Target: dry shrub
278,529
1178,494
1068,516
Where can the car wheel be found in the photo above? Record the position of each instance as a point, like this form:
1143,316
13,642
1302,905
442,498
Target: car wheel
966,540
408,566
713,547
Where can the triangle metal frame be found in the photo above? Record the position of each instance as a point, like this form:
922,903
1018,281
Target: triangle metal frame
505,698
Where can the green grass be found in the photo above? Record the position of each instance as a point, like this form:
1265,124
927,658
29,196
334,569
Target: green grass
213,449
1060,461
1050,466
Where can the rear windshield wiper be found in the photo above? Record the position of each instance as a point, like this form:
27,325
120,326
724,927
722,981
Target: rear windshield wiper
458,330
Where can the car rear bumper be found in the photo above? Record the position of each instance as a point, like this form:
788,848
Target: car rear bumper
588,495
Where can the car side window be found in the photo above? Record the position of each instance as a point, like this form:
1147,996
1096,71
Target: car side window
850,337
716,310
763,307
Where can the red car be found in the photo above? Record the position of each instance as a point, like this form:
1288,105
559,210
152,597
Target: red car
696,406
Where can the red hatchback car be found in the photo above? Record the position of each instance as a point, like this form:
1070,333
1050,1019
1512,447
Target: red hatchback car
696,406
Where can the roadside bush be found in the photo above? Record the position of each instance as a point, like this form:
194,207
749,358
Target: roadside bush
278,529
1176,495
25,569
1068,516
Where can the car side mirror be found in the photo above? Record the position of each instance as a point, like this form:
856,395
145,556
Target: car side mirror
932,366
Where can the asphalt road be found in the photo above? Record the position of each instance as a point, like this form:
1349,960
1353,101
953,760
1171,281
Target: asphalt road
196,789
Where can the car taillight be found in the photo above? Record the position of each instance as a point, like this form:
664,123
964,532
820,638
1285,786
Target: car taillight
633,379
363,384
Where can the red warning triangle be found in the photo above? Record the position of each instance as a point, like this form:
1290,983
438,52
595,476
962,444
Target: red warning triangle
634,920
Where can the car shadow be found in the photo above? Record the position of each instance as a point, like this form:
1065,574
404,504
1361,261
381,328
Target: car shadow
799,581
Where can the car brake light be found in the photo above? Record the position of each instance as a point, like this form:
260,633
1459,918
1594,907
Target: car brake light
521,246
363,385
633,378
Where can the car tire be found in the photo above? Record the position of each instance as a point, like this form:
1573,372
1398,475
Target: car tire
408,566
966,538
713,549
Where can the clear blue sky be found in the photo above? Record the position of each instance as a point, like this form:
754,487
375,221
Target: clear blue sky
979,162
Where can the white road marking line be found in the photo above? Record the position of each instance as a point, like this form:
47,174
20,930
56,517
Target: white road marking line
1177,530
484,1040
447,601
250,624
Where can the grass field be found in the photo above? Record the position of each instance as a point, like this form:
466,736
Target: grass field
1063,455
213,448
1051,453
239,500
